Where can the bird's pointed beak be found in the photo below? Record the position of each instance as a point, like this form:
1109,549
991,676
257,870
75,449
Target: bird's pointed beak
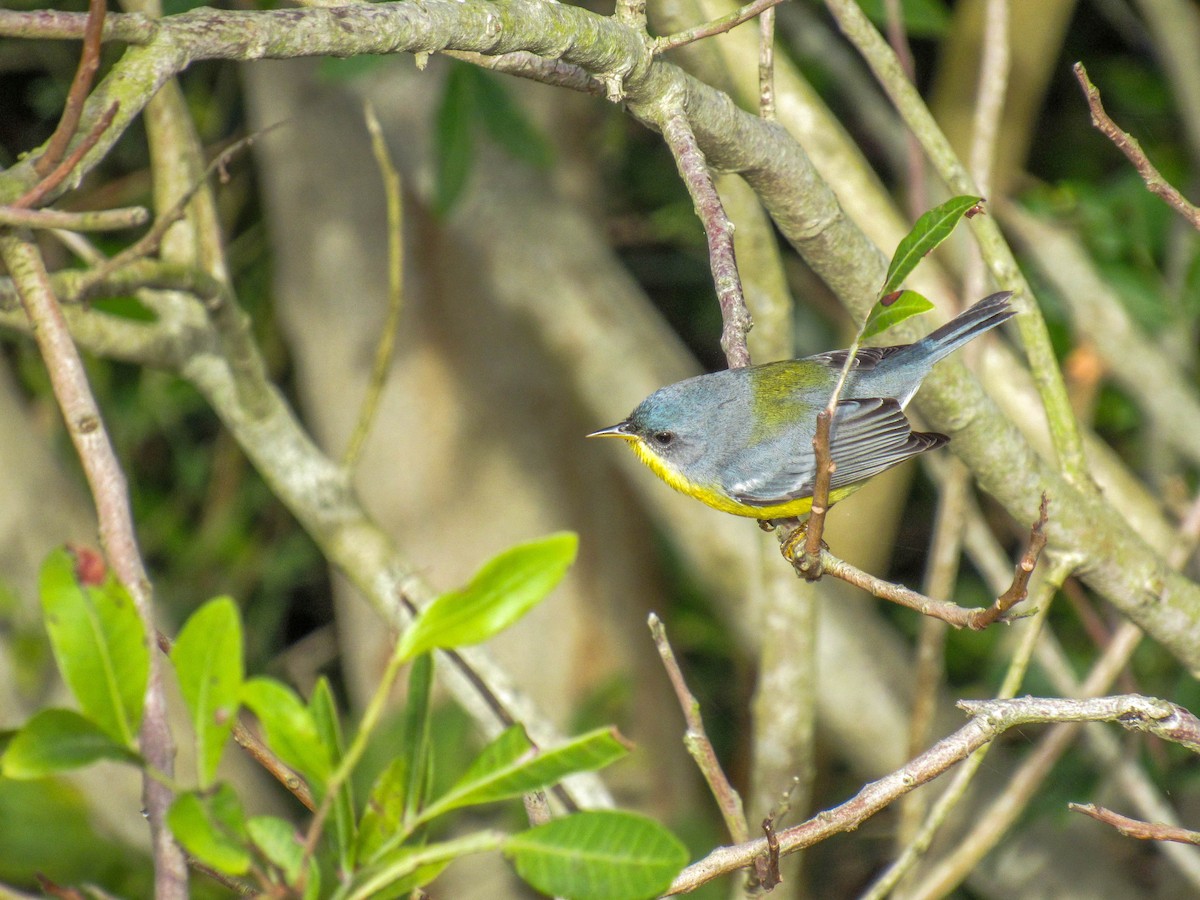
620,430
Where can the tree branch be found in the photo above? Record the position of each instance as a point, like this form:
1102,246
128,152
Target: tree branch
693,168
990,719
1135,828
1132,149
117,536
1127,571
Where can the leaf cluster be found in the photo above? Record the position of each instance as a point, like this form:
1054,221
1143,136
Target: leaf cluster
383,846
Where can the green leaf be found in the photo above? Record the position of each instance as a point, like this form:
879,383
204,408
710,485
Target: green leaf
509,767
397,875
407,868
922,18
931,229
125,308
208,663
100,645
312,884
380,826
454,148
501,592
507,123
894,309
598,855
400,790
290,730
277,840
325,715
211,828
416,745
56,740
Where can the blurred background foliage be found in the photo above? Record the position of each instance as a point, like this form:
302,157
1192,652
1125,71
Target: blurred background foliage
208,524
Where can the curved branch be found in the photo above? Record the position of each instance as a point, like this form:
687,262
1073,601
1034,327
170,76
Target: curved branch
991,719
1116,562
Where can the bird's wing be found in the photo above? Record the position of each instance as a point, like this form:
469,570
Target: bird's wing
867,437
865,358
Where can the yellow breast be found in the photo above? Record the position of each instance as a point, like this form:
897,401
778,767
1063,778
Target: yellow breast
716,497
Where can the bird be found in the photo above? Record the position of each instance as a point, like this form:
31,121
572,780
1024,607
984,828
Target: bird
741,440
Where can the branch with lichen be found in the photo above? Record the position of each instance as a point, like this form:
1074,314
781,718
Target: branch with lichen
800,202
118,537
990,719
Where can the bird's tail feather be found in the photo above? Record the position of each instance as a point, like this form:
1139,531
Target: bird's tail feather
966,326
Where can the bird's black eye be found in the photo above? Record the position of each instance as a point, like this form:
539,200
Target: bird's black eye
664,438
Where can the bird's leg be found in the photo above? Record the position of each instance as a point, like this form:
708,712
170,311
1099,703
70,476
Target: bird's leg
792,537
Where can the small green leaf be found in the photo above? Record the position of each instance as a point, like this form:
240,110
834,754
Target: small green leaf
125,308
931,229
312,884
100,645
290,730
501,592
406,868
454,146
208,663
598,855
212,829
894,309
416,746
380,827
277,840
325,715
400,790
507,123
56,740
509,767
922,18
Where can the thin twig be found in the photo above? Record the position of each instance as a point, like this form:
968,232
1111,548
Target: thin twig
81,84
1122,769
149,242
766,64
1129,146
59,174
69,284
1147,715
993,822
990,719
809,565
990,94
949,799
917,193
117,534
941,574
716,26
239,887
960,617
259,752
1135,828
279,770
1019,588
719,231
387,338
697,742
94,220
